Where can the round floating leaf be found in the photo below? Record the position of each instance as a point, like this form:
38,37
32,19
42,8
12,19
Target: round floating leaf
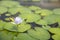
34,8
50,19
2,9
24,10
5,36
1,25
9,3
56,37
23,27
41,22
57,18
38,11
45,12
30,17
56,11
39,33
14,10
10,27
55,30
23,36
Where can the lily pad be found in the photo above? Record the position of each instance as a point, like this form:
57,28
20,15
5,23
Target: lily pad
25,10
13,10
9,4
50,19
5,36
1,25
23,36
55,30
34,8
38,12
10,27
46,12
30,17
23,27
56,37
57,18
39,33
3,9
41,22
56,11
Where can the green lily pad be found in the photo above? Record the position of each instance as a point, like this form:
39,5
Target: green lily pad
34,8
1,25
10,4
5,36
57,18
46,12
56,11
3,9
39,33
50,19
10,27
23,36
41,22
25,10
38,11
30,17
14,10
23,27
56,37
55,30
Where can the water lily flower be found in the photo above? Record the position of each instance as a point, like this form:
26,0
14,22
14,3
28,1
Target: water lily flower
17,20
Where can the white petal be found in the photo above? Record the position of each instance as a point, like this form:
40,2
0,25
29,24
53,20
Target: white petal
18,20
